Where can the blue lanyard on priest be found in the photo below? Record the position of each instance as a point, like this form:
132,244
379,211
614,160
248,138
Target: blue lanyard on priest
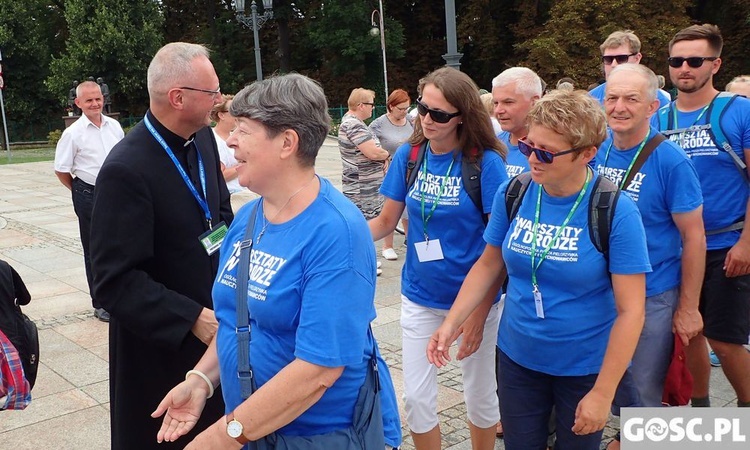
201,170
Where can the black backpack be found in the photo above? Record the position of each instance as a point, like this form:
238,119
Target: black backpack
601,207
471,174
21,331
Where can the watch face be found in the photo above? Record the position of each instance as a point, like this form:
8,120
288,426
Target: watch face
234,429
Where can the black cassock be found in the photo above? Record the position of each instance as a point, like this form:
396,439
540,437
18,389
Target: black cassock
153,275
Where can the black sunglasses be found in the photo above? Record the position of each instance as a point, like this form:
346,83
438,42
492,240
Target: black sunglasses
368,103
542,155
212,93
621,59
437,116
693,61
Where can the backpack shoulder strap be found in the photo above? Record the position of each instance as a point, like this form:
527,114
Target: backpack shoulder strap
716,111
601,211
664,117
416,155
514,195
471,174
649,148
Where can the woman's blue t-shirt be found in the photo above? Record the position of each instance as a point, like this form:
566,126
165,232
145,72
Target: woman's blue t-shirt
310,296
456,221
579,304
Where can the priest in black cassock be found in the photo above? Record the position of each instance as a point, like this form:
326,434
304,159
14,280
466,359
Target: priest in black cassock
159,209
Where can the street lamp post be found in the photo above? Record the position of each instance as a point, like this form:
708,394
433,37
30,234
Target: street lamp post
255,22
2,108
379,29
452,58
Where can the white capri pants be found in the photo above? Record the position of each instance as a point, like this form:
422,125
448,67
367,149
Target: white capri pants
418,323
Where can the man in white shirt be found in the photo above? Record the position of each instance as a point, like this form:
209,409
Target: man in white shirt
79,156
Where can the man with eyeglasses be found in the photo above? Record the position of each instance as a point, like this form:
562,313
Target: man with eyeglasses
161,208
694,59
620,47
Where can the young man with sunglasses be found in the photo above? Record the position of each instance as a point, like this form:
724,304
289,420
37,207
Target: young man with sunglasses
694,58
620,47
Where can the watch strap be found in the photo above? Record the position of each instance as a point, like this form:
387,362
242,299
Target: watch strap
241,438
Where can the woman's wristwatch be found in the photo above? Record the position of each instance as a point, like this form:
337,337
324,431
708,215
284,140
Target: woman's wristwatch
235,429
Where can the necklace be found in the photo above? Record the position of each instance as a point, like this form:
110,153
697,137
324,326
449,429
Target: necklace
268,221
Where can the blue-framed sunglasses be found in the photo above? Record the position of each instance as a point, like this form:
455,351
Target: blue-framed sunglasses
542,155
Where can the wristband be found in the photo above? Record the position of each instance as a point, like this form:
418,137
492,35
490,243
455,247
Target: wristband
205,378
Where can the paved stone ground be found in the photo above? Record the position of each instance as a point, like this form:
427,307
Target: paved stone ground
70,410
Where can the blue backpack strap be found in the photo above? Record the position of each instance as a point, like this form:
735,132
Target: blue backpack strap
716,111
664,117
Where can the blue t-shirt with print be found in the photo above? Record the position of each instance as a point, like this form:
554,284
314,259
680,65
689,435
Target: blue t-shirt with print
725,191
578,301
310,296
600,91
455,221
666,184
515,163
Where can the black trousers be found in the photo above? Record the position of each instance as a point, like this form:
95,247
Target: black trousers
83,204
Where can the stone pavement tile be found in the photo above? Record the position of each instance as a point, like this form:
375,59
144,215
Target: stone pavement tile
101,351
58,305
77,281
44,252
720,391
48,382
98,391
68,229
389,333
72,362
54,262
387,314
15,238
45,408
10,207
84,429
86,334
49,288
27,273
390,300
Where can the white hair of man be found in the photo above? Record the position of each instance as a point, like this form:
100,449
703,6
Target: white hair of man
652,83
84,85
171,64
527,81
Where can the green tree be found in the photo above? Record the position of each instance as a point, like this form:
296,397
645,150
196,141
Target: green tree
569,44
29,32
115,40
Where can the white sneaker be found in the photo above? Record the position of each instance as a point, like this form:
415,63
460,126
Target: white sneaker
378,271
390,254
380,263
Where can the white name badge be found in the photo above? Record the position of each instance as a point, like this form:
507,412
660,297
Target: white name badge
429,250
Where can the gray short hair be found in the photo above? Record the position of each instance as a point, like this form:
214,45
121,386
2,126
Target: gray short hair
652,83
171,65
574,115
527,81
284,102
86,84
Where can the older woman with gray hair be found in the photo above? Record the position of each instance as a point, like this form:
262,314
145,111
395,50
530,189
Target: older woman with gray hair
302,367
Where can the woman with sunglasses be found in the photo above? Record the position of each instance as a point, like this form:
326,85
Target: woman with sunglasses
572,317
445,239
392,129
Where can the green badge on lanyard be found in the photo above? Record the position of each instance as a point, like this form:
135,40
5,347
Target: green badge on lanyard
211,240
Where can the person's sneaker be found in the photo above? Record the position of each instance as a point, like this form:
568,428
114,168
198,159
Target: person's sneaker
378,271
101,314
390,254
714,359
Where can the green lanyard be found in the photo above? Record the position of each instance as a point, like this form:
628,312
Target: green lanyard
439,194
632,162
676,124
534,266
